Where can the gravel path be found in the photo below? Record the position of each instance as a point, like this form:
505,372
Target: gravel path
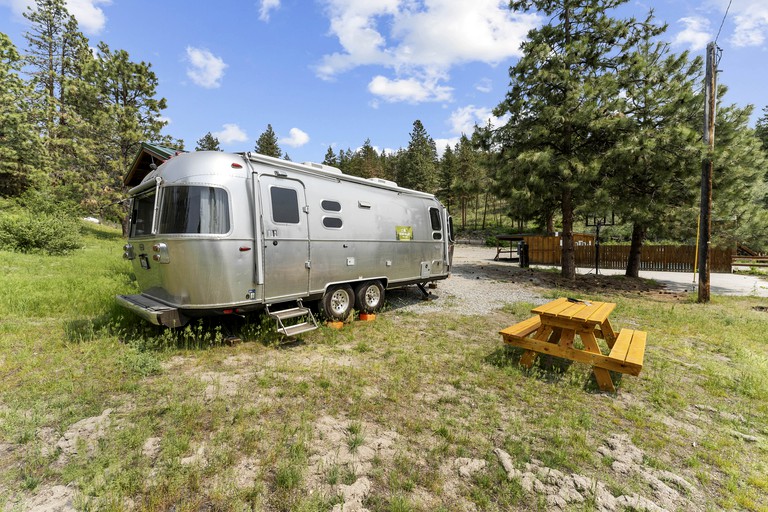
478,285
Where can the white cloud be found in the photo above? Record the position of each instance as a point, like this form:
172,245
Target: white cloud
440,145
90,17
205,69
411,90
296,138
695,35
464,119
751,19
421,41
266,7
484,85
230,133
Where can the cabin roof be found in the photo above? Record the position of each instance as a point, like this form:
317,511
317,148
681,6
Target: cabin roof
147,155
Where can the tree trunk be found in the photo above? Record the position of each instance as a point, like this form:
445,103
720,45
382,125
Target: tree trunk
485,209
568,252
635,250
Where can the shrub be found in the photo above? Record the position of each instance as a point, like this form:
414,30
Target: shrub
24,231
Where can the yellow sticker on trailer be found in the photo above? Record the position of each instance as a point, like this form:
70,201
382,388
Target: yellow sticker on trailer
404,233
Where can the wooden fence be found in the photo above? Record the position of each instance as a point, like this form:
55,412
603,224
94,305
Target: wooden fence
546,250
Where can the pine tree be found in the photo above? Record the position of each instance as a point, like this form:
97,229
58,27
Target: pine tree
267,144
561,104
447,171
55,46
370,164
418,168
655,163
740,191
208,143
761,129
467,171
330,158
19,144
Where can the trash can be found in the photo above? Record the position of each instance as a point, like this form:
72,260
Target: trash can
522,254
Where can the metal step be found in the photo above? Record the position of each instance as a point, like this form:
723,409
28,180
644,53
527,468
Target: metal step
309,324
152,310
286,314
294,330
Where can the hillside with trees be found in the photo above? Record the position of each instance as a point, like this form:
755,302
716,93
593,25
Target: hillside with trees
600,117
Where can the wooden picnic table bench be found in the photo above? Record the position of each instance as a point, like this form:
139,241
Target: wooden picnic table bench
556,325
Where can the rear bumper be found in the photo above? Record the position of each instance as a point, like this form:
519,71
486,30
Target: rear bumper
152,311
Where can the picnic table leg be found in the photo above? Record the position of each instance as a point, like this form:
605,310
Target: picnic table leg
608,333
602,376
529,356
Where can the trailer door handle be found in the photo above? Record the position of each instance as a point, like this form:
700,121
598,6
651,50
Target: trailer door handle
307,264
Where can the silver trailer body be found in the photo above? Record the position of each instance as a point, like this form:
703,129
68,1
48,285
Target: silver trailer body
215,232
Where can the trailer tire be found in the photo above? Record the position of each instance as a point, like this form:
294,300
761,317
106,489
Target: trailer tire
337,302
369,297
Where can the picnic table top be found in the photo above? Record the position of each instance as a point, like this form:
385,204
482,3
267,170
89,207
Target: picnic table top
576,310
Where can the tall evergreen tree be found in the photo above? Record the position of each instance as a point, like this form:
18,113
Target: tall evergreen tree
19,144
466,176
128,114
655,163
208,143
761,129
446,173
418,168
267,144
562,103
330,158
370,165
739,194
57,53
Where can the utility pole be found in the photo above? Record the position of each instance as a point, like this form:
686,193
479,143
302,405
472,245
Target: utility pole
707,166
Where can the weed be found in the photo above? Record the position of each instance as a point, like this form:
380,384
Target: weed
355,437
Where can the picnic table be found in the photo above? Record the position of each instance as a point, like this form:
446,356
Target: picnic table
507,244
556,327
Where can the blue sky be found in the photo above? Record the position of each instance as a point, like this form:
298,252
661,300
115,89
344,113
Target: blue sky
337,72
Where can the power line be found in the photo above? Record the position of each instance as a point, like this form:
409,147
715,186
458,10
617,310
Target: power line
723,22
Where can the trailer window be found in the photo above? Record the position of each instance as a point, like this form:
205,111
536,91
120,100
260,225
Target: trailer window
332,222
331,206
142,212
434,218
194,209
285,205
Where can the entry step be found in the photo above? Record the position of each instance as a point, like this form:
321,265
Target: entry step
293,329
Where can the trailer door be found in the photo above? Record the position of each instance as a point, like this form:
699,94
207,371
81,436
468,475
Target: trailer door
286,238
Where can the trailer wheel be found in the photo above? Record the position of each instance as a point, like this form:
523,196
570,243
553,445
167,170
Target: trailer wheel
369,296
338,301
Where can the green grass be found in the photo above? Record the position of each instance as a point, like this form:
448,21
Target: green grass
443,386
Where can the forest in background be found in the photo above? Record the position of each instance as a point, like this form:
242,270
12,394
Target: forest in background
601,118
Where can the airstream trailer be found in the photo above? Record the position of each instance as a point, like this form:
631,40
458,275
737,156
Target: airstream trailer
223,233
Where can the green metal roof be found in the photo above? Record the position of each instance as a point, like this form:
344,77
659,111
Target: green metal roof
147,155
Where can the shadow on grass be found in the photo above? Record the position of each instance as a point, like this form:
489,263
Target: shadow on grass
546,368
198,334
101,233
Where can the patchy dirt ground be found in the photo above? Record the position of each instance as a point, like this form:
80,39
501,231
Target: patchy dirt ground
343,455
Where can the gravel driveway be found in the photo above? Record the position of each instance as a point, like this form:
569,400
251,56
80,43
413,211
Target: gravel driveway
478,285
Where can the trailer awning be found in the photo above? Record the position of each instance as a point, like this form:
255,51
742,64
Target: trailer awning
147,155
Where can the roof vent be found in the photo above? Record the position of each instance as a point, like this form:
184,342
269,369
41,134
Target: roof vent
323,168
382,181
